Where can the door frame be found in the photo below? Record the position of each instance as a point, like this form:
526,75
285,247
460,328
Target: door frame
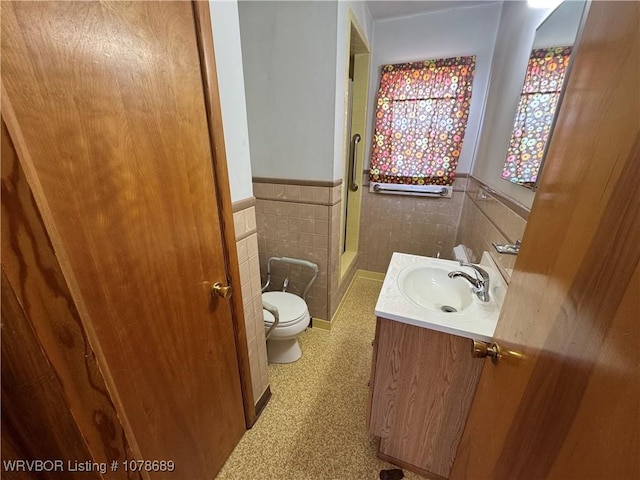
204,38
350,214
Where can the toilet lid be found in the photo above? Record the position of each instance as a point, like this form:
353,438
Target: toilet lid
291,308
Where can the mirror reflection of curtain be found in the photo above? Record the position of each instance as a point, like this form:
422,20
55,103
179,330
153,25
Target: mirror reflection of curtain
421,117
534,118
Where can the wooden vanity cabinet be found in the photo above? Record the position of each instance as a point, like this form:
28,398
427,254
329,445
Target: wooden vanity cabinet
422,386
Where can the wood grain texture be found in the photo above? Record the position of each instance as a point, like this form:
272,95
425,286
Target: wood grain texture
424,385
204,33
407,466
35,415
30,265
372,375
603,425
569,385
108,98
13,450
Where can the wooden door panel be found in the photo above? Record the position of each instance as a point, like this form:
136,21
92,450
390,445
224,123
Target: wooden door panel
34,414
12,450
555,406
610,405
30,265
108,100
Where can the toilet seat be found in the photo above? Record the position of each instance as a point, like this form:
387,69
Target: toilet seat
292,313
292,309
294,318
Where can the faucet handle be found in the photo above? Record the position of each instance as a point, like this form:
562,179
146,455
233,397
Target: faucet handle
481,273
475,272
481,282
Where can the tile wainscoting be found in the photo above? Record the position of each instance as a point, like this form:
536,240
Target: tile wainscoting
407,224
475,216
301,219
487,217
244,219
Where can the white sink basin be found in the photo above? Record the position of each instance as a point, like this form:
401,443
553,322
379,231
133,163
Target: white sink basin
418,291
430,287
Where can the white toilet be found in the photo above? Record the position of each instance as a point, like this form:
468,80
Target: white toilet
282,344
285,316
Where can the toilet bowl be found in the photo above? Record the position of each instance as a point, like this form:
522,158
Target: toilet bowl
294,318
285,315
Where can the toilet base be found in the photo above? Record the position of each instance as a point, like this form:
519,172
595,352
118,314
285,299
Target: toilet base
283,351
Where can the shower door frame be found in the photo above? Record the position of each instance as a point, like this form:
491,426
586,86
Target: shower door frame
356,92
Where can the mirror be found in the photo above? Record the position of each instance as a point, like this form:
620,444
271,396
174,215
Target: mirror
546,76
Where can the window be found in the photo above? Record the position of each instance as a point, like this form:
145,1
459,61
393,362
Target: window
421,117
534,118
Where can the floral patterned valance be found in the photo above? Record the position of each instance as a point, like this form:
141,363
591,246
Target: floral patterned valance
536,110
421,117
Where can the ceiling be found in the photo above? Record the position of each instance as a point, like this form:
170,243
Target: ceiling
383,9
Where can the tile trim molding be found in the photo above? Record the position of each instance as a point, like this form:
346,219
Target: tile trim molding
302,202
243,204
276,197
486,217
507,201
370,275
303,183
320,324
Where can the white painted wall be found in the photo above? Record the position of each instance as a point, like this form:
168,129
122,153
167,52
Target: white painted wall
294,60
513,47
289,59
461,31
226,39
561,27
364,19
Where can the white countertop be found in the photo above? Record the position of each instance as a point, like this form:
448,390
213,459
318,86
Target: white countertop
477,321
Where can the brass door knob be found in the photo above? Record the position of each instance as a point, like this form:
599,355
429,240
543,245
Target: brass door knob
482,349
221,290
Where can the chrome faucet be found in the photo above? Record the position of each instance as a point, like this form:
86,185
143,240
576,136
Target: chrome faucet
480,283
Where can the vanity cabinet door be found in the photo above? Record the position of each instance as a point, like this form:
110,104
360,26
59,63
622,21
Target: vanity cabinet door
423,387
372,376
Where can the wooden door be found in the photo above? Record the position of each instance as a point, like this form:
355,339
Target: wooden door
55,403
564,401
105,105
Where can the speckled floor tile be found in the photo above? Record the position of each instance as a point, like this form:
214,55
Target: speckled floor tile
314,426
